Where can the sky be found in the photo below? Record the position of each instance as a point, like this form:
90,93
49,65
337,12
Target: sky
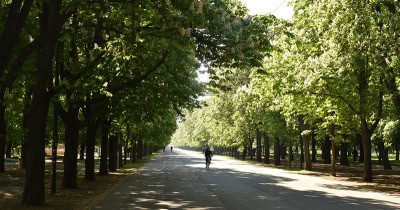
279,8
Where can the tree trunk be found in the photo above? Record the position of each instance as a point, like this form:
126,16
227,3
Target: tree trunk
90,142
277,147
140,148
113,153
327,145
307,156
300,129
266,149
313,147
2,137
366,140
244,153
25,122
259,149
105,130
126,151
9,147
383,152
133,149
333,169
283,151
120,157
397,153
344,160
290,154
360,142
50,26
82,151
251,148
71,125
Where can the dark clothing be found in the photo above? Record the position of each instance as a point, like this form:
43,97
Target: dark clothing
208,153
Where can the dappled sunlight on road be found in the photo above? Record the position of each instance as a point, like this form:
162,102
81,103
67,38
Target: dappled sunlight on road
179,180
297,182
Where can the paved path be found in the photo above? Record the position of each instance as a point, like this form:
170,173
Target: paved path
179,180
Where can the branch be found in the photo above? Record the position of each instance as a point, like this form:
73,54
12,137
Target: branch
136,81
341,98
18,64
380,111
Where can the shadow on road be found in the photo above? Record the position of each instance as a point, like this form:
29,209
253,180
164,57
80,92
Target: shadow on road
178,181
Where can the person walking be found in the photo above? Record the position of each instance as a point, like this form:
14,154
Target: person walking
208,154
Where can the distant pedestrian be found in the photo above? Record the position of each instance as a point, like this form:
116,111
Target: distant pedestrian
354,153
171,148
163,149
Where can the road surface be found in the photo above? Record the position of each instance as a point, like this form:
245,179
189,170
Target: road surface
179,180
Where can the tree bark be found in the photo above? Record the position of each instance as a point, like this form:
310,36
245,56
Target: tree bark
126,151
258,141
82,151
277,147
266,149
71,122
366,141
2,137
300,129
120,157
383,152
344,160
140,148
113,153
90,141
105,130
133,149
9,146
313,147
360,142
327,145
307,156
50,25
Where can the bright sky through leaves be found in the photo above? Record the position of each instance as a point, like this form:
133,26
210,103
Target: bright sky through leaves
279,8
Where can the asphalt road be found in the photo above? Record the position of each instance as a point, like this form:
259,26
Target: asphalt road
179,180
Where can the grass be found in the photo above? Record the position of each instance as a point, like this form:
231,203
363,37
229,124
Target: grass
85,197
